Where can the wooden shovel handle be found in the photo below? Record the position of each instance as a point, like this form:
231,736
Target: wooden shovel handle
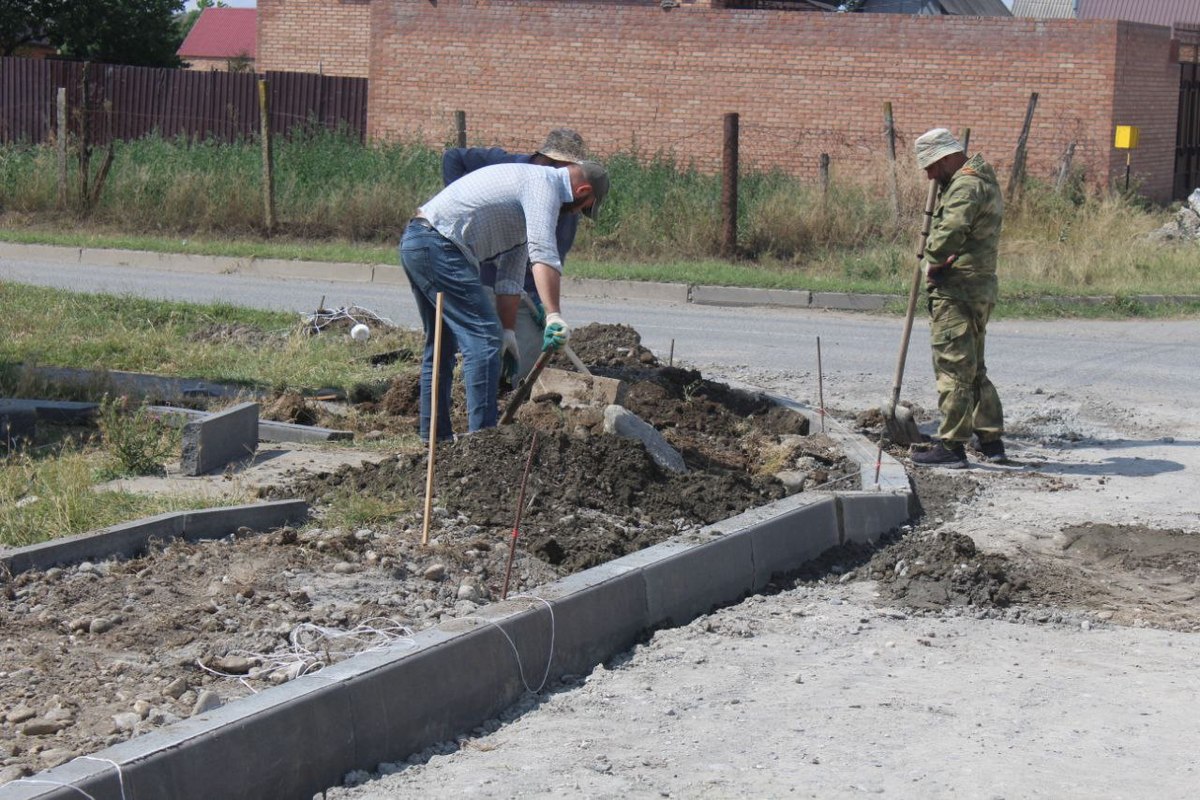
914,291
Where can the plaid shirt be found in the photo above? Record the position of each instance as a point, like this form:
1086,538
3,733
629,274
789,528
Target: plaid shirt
505,213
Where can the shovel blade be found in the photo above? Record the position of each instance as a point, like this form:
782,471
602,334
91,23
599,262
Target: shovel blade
901,427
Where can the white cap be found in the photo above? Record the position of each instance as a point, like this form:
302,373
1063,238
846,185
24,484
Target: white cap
932,146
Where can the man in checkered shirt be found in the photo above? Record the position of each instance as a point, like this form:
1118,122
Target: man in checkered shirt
506,213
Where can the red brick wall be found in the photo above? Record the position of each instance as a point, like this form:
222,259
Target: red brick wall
1147,96
633,76
328,36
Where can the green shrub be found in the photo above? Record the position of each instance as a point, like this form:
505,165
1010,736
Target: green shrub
138,442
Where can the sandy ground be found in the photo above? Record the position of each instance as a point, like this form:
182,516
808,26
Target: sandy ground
828,688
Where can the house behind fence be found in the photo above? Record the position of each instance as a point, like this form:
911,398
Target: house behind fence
120,102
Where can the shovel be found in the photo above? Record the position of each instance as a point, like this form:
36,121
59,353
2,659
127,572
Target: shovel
525,387
901,428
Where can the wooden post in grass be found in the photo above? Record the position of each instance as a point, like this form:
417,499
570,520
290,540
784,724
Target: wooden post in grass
268,165
889,132
1017,176
85,132
62,147
823,167
729,187
105,165
1064,169
433,417
460,128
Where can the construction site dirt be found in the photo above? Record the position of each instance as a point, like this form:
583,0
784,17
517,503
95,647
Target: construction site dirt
96,653
93,654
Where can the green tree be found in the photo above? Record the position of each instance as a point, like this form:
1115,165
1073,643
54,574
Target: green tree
21,22
141,33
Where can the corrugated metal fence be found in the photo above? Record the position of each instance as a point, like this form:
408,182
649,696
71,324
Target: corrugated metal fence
132,102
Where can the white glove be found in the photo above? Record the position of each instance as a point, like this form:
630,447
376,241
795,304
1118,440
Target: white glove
556,332
508,344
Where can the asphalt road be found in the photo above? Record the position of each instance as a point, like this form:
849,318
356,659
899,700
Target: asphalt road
1131,361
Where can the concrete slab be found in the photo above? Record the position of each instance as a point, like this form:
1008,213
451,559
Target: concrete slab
59,411
626,290
211,443
865,516
578,389
793,537
130,538
269,430
850,302
742,296
693,581
313,270
18,427
139,384
39,252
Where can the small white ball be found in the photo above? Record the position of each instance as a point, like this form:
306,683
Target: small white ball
360,333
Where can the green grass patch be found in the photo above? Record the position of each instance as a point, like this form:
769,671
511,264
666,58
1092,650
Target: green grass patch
213,342
52,493
340,200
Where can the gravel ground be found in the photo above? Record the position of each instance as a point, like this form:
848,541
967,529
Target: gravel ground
1076,681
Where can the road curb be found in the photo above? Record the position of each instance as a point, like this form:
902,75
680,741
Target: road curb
383,706
392,275
131,538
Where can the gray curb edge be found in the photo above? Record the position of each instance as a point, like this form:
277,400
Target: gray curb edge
392,275
383,706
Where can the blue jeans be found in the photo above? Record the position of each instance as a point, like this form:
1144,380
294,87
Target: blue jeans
434,264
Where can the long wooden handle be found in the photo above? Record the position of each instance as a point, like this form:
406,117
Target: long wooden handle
433,418
522,392
914,291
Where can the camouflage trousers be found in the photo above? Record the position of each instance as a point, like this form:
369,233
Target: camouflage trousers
967,400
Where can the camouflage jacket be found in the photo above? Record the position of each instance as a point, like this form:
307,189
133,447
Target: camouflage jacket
967,223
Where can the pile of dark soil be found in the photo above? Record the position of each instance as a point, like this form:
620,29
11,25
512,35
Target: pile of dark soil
945,569
592,496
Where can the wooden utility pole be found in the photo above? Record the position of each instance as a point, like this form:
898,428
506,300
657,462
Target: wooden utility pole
729,187
63,127
889,132
823,166
460,128
1017,176
268,165
85,132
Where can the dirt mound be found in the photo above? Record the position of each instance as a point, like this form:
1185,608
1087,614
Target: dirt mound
216,618
589,500
290,407
945,570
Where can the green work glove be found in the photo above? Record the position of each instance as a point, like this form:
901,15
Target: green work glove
556,333
509,358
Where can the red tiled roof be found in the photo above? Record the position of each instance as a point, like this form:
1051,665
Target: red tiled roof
222,33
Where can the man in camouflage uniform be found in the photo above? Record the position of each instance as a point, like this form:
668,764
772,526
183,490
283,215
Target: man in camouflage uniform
960,257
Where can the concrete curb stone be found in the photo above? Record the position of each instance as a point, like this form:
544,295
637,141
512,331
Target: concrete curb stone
390,274
467,669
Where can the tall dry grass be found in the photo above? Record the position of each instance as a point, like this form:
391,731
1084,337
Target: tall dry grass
332,188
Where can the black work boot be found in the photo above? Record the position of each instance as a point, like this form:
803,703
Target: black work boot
993,451
939,455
